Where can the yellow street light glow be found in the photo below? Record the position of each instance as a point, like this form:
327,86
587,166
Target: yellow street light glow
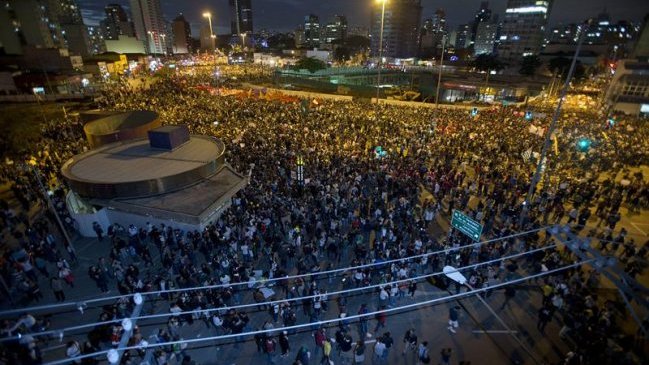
207,14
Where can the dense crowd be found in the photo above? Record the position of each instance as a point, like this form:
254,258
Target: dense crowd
377,180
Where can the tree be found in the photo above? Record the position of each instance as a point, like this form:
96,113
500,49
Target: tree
487,62
350,48
354,42
529,65
309,63
561,66
342,54
281,41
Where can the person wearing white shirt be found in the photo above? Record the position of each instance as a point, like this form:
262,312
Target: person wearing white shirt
225,280
245,252
73,350
379,350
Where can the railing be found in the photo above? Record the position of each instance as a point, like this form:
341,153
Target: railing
30,98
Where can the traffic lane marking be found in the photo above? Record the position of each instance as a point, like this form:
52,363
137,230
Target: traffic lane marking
635,225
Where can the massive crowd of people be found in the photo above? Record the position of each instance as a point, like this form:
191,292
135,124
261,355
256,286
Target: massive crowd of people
378,178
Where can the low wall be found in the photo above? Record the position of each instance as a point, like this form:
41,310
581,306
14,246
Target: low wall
30,98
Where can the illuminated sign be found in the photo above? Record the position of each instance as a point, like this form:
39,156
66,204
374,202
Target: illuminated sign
528,10
451,85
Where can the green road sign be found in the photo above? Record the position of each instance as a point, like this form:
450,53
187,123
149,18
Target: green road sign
466,225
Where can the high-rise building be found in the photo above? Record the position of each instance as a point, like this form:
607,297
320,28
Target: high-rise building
336,29
116,23
463,37
43,24
641,49
241,17
182,35
523,29
482,15
28,23
401,28
355,30
97,42
433,34
149,25
564,34
485,38
311,31
298,35
68,15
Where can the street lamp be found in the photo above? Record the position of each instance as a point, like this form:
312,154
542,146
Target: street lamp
243,39
439,76
152,34
379,64
548,134
208,15
455,275
164,44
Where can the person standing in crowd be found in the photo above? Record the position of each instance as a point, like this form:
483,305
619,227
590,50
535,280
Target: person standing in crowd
359,352
319,336
388,341
453,316
545,316
270,346
422,353
446,356
98,231
284,344
56,283
409,341
381,318
303,356
345,344
379,352
326,352
362,321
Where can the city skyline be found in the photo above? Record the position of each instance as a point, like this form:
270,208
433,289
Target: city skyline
286,15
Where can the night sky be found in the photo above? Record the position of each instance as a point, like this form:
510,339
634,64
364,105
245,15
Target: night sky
284,15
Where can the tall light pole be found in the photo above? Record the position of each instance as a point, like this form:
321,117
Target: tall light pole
152,34
208,15
439,75
380,63
548,135
453,274
164,44
243,40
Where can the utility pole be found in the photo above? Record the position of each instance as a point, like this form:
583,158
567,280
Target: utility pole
548,134
52,208
380,63
128,324
439,75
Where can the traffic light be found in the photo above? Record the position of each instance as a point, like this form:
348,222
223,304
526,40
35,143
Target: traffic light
474,112
610,123
379,152
583,144
528,115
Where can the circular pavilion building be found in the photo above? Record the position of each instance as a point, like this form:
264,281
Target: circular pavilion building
166,176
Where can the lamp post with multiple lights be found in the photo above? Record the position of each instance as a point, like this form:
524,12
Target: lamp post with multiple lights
152,44
380,62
